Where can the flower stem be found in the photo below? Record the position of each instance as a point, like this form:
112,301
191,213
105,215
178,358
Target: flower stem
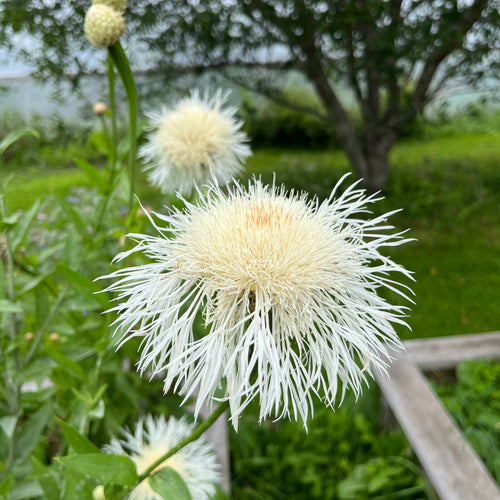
114,133
113,141
195,435
123,66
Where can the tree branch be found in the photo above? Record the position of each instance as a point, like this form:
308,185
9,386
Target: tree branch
276,97
421,95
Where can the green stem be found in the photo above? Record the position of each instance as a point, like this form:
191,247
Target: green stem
122,65
195,435
113,141
114,132
44,326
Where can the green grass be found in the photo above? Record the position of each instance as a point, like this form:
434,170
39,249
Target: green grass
446,184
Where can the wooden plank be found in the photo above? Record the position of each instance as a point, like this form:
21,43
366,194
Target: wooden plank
447,352
453,467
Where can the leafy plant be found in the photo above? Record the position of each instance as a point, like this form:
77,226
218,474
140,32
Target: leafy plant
474,403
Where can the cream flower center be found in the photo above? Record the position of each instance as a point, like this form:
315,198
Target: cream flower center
274,245
193,135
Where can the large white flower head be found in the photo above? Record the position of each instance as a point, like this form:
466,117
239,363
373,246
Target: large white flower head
196,463
197,140
288,292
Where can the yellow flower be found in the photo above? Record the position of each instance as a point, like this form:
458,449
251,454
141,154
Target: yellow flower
103,26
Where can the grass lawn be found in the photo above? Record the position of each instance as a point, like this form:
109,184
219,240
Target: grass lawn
448,187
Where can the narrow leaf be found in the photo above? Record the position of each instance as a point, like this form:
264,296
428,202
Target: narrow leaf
7,306
6,487
74,216
19,232
169,484
47,477
84,284
72,368
107,469
34,283
31,431
15,136
93,175
79,442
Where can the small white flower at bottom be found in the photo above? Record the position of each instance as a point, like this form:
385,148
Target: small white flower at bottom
288,290
153,437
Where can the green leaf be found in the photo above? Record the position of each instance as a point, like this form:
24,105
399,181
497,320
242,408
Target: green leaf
84,284
7,222
19,232
31,431
15,136
72,368
107,469
169,484
34,283
74,216
79,442
100,142
26,489
76,486
7,306
97,412
93,175
6,487
8,424
47,477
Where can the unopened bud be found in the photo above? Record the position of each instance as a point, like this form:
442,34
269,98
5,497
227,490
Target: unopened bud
54,337
99,108
98,493
103,26
28,336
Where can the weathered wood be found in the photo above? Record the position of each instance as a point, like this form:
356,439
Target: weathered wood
453,467
447,352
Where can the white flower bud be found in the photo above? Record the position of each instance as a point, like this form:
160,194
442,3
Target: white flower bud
103,26
99,108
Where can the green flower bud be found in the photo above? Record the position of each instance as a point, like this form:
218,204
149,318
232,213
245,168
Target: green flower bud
103,26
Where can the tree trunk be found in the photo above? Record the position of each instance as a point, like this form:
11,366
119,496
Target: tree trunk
369,158
377,169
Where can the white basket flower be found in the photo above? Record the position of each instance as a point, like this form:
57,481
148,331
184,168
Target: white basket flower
196,463
288,291
196,141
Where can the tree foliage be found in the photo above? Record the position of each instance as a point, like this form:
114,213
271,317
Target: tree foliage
395,55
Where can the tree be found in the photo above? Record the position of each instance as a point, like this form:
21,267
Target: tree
395,55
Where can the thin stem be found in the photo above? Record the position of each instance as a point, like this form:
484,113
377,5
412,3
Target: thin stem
114,132
122,65
195,435
48,319
113,141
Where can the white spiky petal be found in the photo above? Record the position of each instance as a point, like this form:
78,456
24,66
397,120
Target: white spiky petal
288,292
153,437
196,140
